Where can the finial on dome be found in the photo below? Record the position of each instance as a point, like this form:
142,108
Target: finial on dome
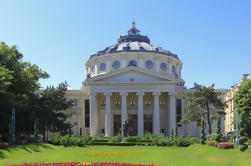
133,30
133,24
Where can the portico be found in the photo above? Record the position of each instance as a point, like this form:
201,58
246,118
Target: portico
162,102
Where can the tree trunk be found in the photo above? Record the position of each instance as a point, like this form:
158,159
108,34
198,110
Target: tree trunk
208,121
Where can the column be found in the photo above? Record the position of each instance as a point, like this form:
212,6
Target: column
156,121
92,114
172,111
108,131
140,113
124,116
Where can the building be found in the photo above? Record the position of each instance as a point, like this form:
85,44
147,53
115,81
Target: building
132,81
230,109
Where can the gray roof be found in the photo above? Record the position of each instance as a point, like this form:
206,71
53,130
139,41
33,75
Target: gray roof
134,42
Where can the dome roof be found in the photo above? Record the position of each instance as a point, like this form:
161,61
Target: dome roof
134,42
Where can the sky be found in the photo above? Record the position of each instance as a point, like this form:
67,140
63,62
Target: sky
212,38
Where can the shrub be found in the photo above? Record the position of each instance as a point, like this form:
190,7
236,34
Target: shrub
182,141
116,139
56,139
133,139
165,142
249,142
194,140
88,139
3,145
211,143
225,145
202,135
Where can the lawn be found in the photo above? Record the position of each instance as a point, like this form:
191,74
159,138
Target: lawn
195,155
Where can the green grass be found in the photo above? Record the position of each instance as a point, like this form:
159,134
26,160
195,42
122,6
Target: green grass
195,155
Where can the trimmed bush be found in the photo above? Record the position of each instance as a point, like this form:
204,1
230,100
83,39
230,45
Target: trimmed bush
194,140
3,145
211,142
183,141
116,139
165,142
133,139
225,145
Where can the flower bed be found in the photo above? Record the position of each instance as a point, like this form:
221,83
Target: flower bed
225,145
82,164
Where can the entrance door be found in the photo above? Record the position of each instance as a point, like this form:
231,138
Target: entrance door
117,124
132,125
148,123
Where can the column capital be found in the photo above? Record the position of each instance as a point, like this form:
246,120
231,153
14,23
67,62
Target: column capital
156,93
92,93
124,93
172,93
107,93
140,93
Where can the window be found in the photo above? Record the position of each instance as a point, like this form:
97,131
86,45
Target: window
178,111
93,68
132,63
116,64
102,67
163,66
87,113
149,64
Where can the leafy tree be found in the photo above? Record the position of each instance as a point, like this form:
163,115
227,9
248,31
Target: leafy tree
19,87
218,135
53,110
36,131
203,102
243,102
203,135
242,132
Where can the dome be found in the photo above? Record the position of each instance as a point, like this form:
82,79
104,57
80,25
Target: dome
134,42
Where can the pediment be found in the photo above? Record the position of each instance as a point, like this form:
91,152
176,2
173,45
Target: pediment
130,74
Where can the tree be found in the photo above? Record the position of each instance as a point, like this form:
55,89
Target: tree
242,101
36,131
203,102
19,87
203,135
242,132
53,110
218,135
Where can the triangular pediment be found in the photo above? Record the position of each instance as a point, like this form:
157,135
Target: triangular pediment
130,74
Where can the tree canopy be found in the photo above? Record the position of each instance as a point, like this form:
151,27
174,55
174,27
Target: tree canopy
203,103
20,88
242,101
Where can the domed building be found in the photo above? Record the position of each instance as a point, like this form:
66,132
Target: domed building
133,87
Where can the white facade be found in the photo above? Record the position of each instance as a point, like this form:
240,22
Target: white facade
132,81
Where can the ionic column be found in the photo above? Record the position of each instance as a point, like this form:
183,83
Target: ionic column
156,119
172,110
108,124
124,116
92,114
140,113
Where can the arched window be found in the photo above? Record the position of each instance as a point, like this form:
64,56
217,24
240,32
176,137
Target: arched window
102,67
132,63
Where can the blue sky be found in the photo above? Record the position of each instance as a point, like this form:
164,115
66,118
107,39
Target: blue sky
212,38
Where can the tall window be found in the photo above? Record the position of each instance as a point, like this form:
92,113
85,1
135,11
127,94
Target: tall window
87,113
178,111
